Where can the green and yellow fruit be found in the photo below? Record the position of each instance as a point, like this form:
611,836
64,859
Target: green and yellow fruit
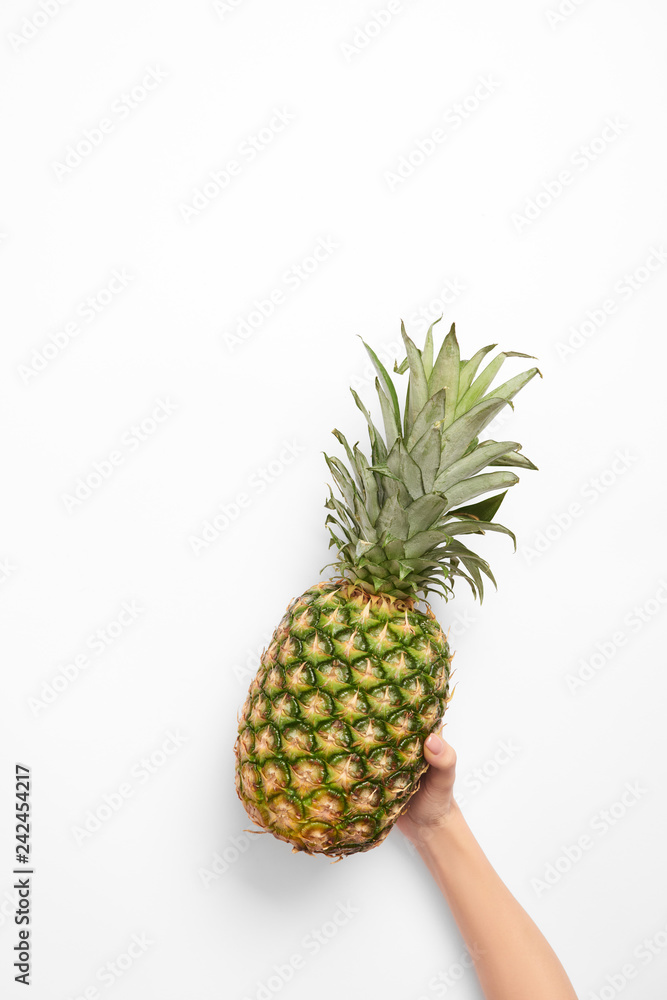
356,676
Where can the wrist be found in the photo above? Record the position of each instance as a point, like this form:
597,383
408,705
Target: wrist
441,837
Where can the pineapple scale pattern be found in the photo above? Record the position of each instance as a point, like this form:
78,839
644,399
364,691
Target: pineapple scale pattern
330,745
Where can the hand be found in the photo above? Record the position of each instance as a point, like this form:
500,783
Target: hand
512,958
432,805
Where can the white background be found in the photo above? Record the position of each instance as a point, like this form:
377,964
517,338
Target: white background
482,230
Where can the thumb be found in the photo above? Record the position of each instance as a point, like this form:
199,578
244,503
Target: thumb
441,756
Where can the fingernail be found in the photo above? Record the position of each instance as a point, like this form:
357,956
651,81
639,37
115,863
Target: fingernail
434,743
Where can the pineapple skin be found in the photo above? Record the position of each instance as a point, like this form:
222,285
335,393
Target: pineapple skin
331,735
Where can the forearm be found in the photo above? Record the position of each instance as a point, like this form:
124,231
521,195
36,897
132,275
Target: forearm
512,958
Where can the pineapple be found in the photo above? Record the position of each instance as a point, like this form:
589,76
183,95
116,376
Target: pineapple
357,674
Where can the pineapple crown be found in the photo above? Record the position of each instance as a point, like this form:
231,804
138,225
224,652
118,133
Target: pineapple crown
403,510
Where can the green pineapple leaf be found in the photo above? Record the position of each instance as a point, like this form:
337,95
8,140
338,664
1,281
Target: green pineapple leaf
474,461
427,353
426,454
392,427
386,381
470,488
457,437
515,459
475,527
485,510
508,390
445,374
431,413
483,381
418,383
469,368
